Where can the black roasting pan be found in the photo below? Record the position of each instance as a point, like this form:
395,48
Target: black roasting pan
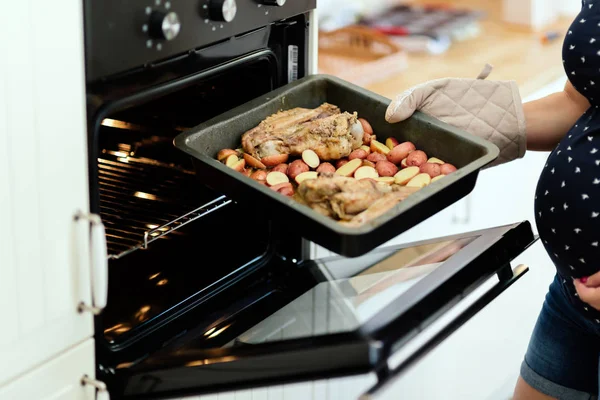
467,152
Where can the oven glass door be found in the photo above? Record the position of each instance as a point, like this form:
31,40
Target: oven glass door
332,317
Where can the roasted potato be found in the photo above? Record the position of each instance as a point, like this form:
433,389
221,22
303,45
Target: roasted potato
391,142
276,177
306,175
260,175
376,157
416,158
349,168
341,162
366,172
223,154
326,168
311,158
254,162
366,126
358,153
296,168
446,169
281,168
400,152
367,163
432,169
271,161
386,168
379,147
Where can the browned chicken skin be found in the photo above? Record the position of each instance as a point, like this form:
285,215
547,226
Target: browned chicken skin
325,130
351,201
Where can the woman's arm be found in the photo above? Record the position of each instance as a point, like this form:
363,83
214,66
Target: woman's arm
550,118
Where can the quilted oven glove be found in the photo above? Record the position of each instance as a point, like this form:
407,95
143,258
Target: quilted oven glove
492,110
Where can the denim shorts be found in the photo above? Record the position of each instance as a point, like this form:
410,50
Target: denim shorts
562,359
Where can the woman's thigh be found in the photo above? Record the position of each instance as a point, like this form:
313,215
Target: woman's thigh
563,354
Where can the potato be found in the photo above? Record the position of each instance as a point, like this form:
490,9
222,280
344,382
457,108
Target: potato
447,169
271,161
366,126
366,172
311,158
296,168
435,161
405,175
419,181
341,162
388,180
281,168
247,172
416,158
281,186
431,169
287,191
379,147
254,162
367,137
231,160
366,148
239,165
437,178
358,153
367,163
260,175
386,168
223,154
391,142
349,168
326,168
306,175
376,157
400,152
276,177
403,164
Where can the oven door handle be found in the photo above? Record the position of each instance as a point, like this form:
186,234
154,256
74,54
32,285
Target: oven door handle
98,264
388,376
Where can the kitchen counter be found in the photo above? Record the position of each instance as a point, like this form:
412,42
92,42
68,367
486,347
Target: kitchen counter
516,53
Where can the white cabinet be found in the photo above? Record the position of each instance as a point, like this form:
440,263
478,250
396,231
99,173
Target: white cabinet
44,257
59,379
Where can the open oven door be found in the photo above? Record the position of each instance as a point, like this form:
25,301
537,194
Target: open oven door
332,317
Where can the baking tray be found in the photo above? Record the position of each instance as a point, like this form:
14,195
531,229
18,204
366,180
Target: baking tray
438,139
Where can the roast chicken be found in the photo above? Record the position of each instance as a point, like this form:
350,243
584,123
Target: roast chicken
350,201
325,129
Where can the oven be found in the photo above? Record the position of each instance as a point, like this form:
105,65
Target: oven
204,295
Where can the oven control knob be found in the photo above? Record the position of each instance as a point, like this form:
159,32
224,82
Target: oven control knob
274,2
164,25
222,10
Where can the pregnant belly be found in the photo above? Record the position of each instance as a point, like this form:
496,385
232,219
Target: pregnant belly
567,202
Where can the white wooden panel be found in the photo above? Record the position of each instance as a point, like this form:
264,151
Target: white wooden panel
23,158
43,182
8,266
59,379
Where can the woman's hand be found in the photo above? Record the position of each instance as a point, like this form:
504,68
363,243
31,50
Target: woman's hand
588,290
492,110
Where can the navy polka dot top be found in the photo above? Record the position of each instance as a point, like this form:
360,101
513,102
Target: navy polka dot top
567,201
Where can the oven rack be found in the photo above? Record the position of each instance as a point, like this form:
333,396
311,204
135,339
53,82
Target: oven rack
150,236
143,199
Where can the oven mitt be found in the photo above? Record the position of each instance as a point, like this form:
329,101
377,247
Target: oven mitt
492,110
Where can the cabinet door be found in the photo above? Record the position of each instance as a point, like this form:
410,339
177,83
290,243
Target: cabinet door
43,182
58,379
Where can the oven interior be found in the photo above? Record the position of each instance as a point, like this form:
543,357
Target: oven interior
173,243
